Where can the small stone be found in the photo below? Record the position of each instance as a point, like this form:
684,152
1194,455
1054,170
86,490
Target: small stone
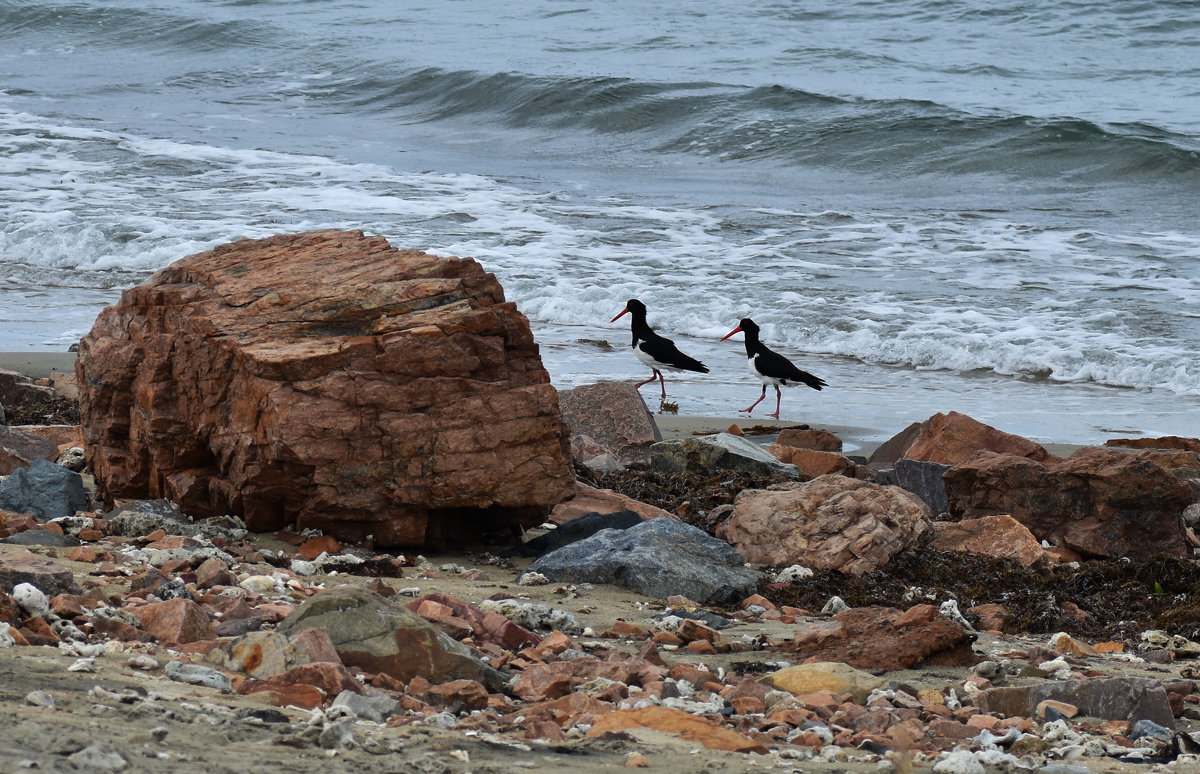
198,674
958,762
40,699
83,665
94,758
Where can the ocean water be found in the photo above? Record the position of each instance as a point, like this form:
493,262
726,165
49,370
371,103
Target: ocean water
985,207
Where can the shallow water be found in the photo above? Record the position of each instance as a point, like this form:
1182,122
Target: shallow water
934,206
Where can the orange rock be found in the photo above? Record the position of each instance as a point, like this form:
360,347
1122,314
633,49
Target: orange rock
819,440
1069,710
391,393
997,537
691,630
1110,647
952,438
684,724
177,621
627,629
813,463
314,547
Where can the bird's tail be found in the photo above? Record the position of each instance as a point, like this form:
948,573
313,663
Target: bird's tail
812,381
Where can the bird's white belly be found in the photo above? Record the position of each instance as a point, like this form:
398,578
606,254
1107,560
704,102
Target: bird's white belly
771,380
651,362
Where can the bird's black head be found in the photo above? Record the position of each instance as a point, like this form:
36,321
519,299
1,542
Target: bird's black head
748,326
633,306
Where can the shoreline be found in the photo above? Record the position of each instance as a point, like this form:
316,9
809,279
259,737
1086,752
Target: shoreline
857,439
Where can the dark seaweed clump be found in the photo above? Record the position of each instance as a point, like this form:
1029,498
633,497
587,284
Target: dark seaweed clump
691,497
1101,599
48,411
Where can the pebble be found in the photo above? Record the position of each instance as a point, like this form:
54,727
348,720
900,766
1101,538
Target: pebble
143,662
260,584
6,639
94,758
83,665
532,579
198,674
40,699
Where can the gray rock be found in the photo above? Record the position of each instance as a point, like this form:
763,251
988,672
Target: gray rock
198,674
141,517
40,537
336,734
373,708
1146,727
658,558
1108,698
575,529
924,479
95,758
44,489
380,636
711,453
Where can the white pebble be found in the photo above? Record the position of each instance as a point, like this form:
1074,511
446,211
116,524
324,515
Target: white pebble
83,665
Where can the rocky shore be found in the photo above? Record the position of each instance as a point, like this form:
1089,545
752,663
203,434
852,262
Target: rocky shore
193,579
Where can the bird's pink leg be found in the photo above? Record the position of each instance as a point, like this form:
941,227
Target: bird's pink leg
778,398
664,385
750,408
639,384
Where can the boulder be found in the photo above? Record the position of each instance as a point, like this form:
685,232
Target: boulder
831,522
17,389
893,449
658,558
1097,502
1165,442
586,499
924,479
19,449
817,440
813,463
376,635
709,454
326,379
266,654
177,621
883,638
996,537
44,489
614,416
952,438
1108,698
576,529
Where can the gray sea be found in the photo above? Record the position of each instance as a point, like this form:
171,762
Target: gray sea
987,207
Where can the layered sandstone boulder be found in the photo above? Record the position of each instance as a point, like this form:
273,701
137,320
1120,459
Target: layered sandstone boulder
1097,502
832,522
952,438
326,379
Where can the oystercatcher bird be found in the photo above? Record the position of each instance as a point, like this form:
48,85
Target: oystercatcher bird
656,351
771,367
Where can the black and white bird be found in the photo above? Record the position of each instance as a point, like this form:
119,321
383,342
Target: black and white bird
771,367
656,351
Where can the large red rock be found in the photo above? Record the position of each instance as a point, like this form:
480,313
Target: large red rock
177,621
832,522
1097,502
329,379
952,438
614,416
996,537
883,638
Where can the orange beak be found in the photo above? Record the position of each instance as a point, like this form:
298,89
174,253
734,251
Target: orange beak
735,330
623,311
